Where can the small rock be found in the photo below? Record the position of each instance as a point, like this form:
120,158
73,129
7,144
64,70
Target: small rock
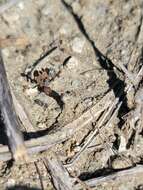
52,73
78,44
76,7
10,182
5,52
41,125
72,63
121,162
77,148
88,101
31,91
47,10
76,84
66,97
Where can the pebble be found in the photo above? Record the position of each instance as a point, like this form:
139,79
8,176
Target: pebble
5,52
42,125
88,101
72,63
47,10
78,44
11,182
121,162
66,97
77,148
76,84
76,7
31,91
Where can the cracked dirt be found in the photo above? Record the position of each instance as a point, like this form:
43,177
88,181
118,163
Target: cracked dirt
82,43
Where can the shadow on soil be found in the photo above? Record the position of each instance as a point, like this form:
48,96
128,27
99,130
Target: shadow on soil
19,187
99,173
3,137
104,62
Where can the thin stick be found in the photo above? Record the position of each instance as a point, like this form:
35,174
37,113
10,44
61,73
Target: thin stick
10,120
40,178
50,140
117,176
96,131
139,77
108,124
136,80
128,73
22,114
44,143
60,176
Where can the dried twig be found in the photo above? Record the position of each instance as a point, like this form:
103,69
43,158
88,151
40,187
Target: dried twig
111,120
22,114
130,172
136,52
40,178
28,127
128,73
9,117
139,77
96,131
50,140
60,177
